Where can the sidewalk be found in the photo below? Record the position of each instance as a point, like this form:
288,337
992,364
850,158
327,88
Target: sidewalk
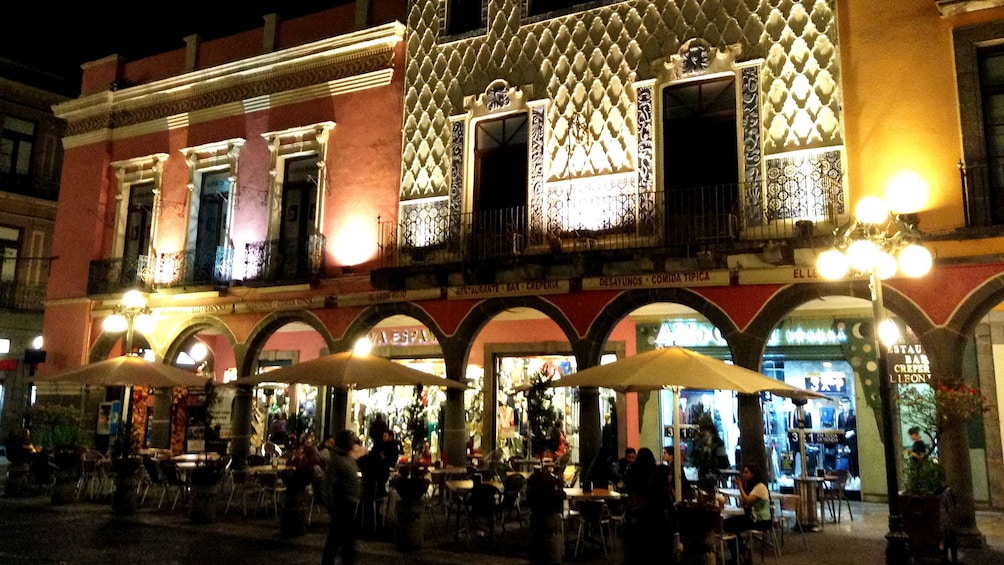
35,531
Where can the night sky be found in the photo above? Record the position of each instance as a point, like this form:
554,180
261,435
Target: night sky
58,37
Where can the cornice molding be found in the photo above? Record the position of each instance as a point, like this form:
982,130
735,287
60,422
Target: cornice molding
956,7
332,66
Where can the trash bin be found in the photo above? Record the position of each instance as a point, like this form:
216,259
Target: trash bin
807,512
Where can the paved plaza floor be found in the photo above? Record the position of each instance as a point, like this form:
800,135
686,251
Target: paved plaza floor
32,530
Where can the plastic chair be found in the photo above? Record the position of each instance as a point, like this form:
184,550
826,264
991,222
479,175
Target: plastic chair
370,501
833,493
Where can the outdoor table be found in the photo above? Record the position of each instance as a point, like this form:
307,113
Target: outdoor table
808,489
192,457
596,494
269,468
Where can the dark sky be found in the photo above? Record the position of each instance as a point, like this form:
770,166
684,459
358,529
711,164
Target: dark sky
59,36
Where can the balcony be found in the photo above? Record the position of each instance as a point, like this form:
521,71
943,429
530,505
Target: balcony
22,284
203,267
281,261
683,223
109,276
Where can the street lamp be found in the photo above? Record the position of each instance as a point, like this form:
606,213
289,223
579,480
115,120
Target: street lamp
878,243
130,316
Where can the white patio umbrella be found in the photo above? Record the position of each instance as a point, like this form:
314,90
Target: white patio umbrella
127,370
351,370
677,368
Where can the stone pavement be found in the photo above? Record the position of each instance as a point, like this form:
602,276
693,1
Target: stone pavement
32,530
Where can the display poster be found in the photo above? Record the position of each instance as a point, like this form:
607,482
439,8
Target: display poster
221,411
104,426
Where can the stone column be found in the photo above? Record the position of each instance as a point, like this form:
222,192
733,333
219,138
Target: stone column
747,351
945,349
454,433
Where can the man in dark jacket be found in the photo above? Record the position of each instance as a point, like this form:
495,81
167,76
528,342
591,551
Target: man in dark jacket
341,493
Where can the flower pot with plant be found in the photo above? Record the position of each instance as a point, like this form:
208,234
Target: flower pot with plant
926,501
57,433
412,484
206,480
126,464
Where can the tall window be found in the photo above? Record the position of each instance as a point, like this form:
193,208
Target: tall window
701,156
991,69
10,242
463,16
211,223
299,214
139,224
500,168
16,143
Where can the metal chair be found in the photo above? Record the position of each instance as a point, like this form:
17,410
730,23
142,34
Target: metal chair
512,491
786,514
834,494
173,481
154,478
593,517
482,507
243,481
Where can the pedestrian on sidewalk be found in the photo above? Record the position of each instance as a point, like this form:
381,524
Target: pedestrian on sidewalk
341,494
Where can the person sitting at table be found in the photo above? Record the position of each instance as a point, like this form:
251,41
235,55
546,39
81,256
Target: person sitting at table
651,510
667,462
755,499
630,454
426,457
601,471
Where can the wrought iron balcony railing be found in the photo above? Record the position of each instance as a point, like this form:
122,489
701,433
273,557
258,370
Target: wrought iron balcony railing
679,221
23,282
286,260
108,276
209,266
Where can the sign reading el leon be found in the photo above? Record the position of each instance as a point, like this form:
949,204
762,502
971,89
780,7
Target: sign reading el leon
659,280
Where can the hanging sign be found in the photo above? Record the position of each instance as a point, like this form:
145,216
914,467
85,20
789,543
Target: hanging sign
659,280
908,364
531,288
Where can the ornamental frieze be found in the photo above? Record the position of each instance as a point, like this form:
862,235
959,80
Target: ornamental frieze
266,84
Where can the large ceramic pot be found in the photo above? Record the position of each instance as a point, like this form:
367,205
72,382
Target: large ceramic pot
293,521
927,521
409,529
203,503
206,481
67,467
127,478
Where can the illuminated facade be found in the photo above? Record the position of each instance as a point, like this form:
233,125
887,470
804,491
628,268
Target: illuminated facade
520,181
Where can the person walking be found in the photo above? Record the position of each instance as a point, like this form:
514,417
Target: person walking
342,488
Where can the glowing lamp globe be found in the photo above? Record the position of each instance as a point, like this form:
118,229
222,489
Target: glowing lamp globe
144,324
888,332
862,255
116,323
915,260
832,264
871,210
886,265
133,299
362,347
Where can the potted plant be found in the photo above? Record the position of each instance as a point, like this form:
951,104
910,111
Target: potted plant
126,464
56,430
926,501
411,486
545,495
545,431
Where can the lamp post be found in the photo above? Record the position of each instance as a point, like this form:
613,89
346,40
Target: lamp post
875,243
130,316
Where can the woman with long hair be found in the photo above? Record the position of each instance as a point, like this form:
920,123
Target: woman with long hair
755,499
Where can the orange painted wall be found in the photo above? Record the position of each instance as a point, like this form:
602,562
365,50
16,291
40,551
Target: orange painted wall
901,102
